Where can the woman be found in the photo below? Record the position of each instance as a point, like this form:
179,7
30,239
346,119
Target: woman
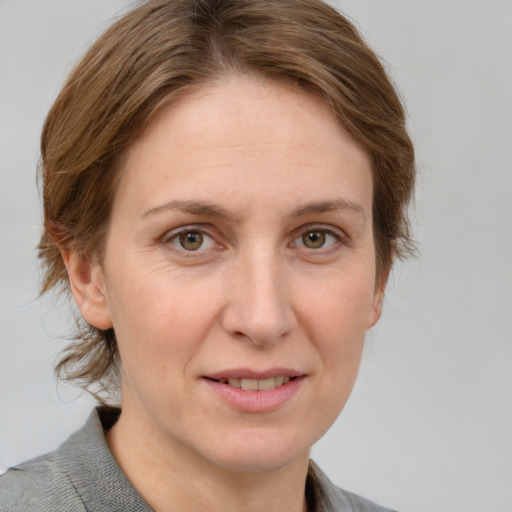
225,186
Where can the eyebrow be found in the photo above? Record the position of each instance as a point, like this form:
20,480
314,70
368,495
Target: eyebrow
193,207
213,210
328,206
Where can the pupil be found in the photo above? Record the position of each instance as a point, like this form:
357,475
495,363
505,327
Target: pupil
314,239
191,241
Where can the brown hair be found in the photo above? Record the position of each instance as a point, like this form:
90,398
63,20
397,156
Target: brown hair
160,50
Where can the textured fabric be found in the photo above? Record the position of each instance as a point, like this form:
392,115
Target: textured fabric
329,498
82,475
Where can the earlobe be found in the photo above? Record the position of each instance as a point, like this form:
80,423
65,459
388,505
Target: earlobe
88,289
376,308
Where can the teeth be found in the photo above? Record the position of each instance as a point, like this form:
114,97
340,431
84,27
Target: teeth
256,385
267,384
249,384
234,382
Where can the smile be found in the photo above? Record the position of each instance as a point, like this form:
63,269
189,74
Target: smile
255,384
256,392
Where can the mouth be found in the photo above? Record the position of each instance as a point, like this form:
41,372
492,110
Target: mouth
247,384
256,391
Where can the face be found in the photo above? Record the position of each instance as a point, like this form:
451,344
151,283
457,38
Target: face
238,274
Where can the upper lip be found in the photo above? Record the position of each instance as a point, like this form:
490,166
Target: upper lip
246,373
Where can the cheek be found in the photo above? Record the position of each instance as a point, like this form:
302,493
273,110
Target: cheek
160,319
337,318
341,303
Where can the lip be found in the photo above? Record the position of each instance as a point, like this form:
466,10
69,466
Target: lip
255,401
246,373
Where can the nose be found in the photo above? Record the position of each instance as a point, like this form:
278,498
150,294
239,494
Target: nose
258,307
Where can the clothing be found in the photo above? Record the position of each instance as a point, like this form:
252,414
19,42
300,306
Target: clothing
82,475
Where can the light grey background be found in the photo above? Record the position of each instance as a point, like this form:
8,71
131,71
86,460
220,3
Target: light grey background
429,424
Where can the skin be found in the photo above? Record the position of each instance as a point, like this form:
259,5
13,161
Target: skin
274,168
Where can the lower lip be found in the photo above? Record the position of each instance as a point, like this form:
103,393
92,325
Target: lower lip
256,401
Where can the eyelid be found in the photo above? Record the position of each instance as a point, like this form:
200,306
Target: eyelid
337,233
173,234
206,230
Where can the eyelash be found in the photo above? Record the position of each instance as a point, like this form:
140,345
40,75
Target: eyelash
173,236
338,238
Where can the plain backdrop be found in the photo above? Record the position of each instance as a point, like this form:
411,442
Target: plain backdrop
429,424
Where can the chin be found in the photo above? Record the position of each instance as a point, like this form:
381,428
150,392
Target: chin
258,452
260,462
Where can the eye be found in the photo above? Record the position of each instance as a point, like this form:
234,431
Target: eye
316,239
192,240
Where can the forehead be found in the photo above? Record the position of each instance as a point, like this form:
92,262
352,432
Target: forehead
243,131
214,109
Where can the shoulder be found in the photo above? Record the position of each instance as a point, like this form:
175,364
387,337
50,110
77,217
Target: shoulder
348,501
330,498
80,475
38,485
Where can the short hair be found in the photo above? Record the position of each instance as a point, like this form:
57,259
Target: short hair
163,49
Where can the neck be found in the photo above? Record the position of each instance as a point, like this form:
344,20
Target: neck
166,473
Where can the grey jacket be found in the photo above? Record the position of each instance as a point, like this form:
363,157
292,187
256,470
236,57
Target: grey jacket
82,475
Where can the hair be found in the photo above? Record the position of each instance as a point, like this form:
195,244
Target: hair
165,48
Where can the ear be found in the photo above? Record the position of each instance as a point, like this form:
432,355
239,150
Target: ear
88,288
376,307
